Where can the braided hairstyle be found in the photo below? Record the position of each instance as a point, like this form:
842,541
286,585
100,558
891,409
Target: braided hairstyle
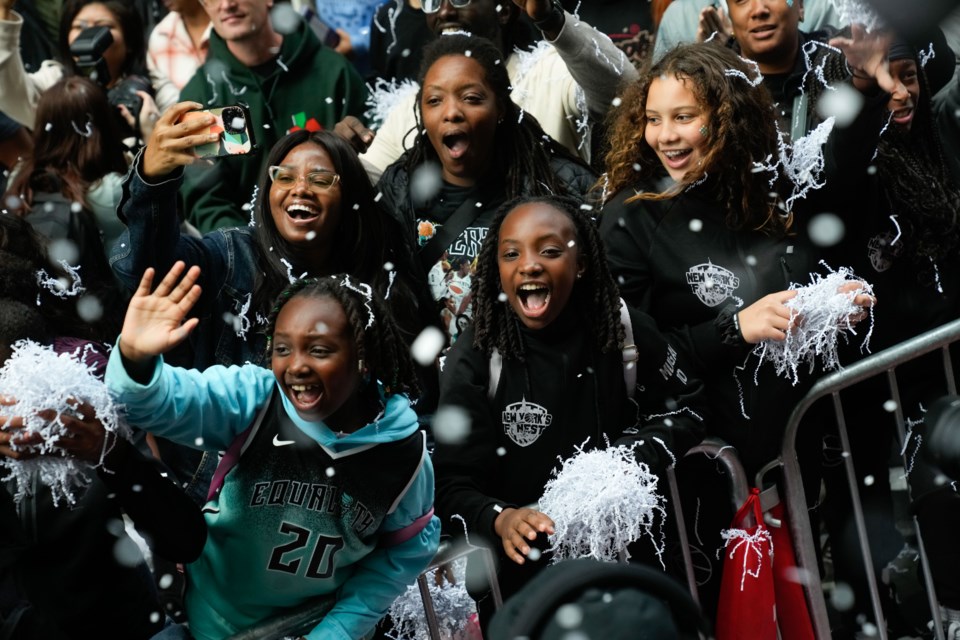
742,129
522,150
380,345
595,297
920,188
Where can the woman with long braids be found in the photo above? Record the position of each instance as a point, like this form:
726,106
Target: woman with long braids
543,371
910,246
474,149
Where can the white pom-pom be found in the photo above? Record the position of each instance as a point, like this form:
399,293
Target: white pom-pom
39,378
825,315
384,97
455,608
601,501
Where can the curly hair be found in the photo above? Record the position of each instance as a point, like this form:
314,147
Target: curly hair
741,129
920,188
522,150
379,343
595,297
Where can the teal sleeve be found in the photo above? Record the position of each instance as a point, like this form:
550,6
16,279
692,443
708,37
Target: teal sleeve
385,574
202,410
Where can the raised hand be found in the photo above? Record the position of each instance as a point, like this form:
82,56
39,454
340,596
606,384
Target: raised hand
354,132
154,323
766,319
516,526
714,20
173,138
866,55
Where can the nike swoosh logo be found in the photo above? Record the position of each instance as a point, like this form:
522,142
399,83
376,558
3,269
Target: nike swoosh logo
277,442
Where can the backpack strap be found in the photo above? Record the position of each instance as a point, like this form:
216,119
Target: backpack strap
232,455
630,354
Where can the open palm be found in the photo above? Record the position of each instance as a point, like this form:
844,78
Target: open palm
154,323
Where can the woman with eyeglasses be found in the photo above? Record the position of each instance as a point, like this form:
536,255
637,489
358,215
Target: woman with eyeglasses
314,214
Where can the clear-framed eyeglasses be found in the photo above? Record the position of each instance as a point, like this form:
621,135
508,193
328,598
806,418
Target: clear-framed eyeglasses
285,178
432,6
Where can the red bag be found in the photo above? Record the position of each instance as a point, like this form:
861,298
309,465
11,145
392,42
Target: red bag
792,612
747,609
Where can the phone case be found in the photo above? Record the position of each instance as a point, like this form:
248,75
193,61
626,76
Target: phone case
235,129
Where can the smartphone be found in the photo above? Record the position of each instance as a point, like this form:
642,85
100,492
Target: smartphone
234,127
323,30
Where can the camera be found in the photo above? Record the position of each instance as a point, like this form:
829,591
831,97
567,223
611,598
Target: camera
88,50
125,93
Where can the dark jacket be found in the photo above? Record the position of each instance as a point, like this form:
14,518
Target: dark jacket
691,280
567,394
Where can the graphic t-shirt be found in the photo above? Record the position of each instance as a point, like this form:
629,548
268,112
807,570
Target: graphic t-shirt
451,277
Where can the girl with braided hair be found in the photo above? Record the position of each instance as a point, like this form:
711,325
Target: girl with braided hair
473,149
548,364
324,497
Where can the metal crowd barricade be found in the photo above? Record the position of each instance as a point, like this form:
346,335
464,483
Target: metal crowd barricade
448,553
884,362
726,455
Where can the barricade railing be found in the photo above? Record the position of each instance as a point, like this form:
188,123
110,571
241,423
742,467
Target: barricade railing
726,455
882,363
311,614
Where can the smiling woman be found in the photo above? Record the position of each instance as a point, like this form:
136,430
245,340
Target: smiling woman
474,150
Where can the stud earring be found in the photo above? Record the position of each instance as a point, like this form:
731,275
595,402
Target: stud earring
704,131
360,368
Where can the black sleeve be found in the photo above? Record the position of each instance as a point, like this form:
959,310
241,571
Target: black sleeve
627,232
160,510
463,471
670,396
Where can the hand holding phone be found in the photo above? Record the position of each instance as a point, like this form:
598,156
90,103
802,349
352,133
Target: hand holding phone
233,126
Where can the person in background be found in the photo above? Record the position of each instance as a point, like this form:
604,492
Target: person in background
398,35
124,60
177,47
289,81
563,84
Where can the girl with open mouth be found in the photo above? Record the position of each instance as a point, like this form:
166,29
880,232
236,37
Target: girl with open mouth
569,372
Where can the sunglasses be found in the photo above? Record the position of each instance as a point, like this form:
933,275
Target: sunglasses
317,181
432,6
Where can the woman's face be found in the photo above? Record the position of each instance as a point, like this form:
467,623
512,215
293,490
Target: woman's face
97,15
903,101
460,114
675,125
305,214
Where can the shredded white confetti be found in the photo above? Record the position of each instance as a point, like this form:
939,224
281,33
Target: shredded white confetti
825,317
57,286
454,607
601,500
384,98
753,555
40,379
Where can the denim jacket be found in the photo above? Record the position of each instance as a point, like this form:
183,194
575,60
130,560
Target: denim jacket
228,332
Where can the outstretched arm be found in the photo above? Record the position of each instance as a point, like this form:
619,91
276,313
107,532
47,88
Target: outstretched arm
594,62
